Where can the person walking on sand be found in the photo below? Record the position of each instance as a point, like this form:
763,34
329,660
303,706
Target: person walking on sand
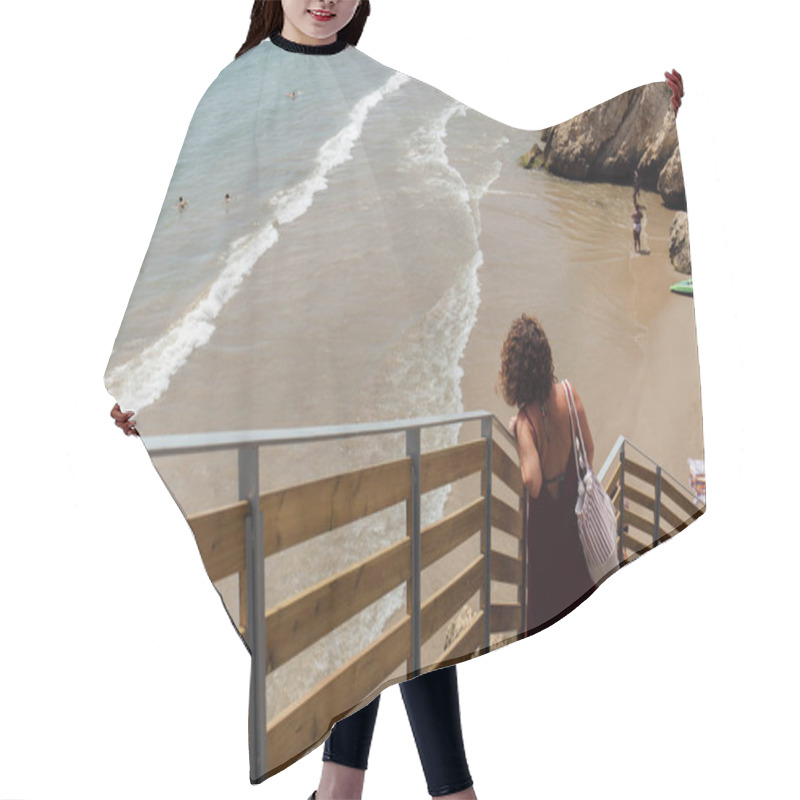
637,228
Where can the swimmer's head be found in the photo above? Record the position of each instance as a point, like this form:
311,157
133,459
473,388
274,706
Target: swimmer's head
334,19
526,363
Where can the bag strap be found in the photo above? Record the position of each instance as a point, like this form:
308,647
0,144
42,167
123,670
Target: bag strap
575,441
578,439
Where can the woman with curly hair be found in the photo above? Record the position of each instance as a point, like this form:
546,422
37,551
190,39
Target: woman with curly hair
557,577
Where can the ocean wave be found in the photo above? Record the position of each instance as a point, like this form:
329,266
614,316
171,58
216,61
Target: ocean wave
142,380
424,371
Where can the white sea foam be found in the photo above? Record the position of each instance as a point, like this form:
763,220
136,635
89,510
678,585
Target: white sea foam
425,372
142,380
422,373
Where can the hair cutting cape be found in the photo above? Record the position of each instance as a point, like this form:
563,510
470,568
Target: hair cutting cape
312,349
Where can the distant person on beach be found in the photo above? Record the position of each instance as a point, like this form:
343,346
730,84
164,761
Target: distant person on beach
181,204
637,228
558,579
431,699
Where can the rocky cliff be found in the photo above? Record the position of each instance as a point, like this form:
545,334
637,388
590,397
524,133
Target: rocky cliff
680,253
635,130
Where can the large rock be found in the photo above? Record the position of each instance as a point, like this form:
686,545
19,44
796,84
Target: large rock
679,252
633,131
533,159
670,183
658,148
573,148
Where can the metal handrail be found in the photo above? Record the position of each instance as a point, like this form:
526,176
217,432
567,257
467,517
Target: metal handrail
623,441
618,453
179,444
247,443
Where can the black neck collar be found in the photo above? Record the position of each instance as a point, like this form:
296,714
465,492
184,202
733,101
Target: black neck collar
309,49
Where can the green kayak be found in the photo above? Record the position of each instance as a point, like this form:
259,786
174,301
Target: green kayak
683,287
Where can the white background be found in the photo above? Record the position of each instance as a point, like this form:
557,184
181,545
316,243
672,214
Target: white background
119,673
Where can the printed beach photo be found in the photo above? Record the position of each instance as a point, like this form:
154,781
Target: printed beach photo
351,281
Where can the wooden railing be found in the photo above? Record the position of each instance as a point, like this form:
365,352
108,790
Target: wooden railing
230,545
236,539
652,505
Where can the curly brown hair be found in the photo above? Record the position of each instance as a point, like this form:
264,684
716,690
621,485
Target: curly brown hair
526,363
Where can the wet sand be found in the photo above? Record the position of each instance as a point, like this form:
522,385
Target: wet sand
616,331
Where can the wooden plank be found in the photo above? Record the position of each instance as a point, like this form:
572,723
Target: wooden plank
439,539
506,518
677,496
503,618
632,540
442,467
638,471
637,521
220,538
636,544
614,495
613,479
684,523
301,512
506,568
668,488
468,642
307,617
505,468
667,517
305,722
437,610
673,520
642,498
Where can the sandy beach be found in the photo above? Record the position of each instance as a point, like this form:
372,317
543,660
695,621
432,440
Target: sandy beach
638,376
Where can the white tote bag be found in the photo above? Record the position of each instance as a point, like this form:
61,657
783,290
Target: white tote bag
597,518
